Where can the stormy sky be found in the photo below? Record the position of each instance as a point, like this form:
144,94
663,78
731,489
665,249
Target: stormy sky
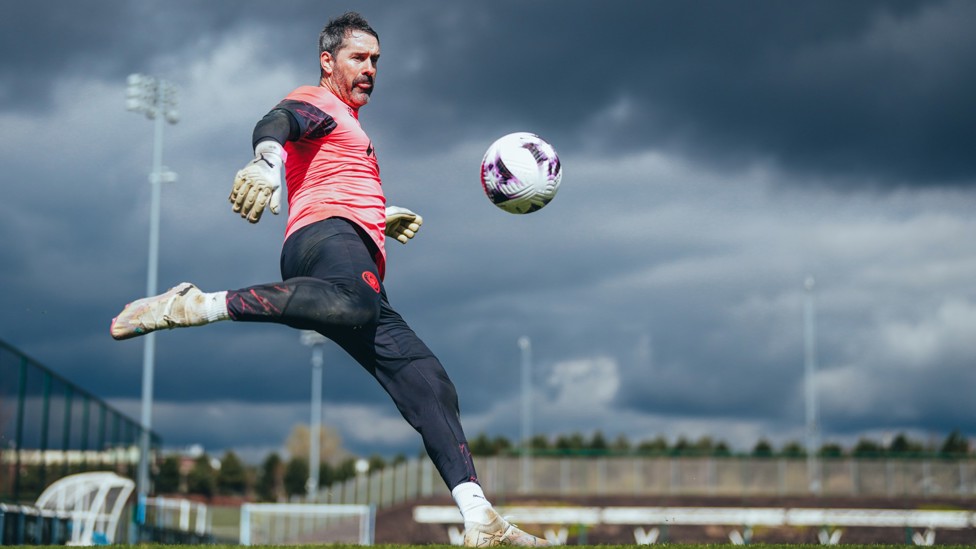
715,154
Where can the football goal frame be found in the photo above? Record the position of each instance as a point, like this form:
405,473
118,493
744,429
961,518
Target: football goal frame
304,523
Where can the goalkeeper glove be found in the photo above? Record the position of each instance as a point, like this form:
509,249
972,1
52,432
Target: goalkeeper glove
258,185
401,223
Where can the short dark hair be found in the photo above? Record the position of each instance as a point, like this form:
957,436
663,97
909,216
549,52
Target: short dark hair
333,35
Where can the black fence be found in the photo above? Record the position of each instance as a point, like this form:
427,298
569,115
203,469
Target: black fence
172,536
26,525
51,427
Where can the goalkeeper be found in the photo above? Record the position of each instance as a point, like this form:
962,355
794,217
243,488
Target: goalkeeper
333,261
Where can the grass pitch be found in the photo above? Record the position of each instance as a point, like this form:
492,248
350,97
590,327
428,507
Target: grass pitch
437,546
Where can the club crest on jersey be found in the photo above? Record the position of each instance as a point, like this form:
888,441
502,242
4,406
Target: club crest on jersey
370,279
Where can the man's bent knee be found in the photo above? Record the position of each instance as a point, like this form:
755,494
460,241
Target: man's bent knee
334,305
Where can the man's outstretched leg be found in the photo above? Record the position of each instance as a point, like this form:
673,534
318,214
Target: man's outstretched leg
302,302
330,280
425,396
182,306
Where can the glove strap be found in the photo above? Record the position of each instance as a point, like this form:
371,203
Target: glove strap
271,152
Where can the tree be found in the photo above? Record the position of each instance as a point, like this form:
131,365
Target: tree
539,442
346,470
706,446
621,445
270,485
598,443
327,474
681,447
901,445
831,450
793,449
232,477
955,445
656,446
762,449
867,448
722,449
376,463
296,476
330,443
202,479
501,445
168,479
481,445
570,443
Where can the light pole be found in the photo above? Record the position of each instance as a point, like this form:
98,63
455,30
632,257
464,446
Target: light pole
810,368
526,346
157,100
314,340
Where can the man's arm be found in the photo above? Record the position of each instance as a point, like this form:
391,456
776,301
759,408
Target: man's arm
279,124
258,184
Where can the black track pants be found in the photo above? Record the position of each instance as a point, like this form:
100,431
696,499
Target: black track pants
331,285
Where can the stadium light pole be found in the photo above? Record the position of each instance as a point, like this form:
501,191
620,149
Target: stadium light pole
157,100
314,340
526,346
810,368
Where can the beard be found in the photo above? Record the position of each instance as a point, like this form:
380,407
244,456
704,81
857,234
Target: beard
363,80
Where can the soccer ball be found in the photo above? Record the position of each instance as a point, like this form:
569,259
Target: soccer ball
520,173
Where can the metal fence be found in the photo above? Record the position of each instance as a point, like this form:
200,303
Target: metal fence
671,476
50,428
733,476
27,525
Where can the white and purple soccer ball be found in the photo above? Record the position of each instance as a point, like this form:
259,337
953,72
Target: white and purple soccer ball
520,173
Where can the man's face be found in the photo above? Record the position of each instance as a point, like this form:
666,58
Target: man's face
351,72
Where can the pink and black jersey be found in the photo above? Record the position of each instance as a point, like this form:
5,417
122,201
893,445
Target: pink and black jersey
331,170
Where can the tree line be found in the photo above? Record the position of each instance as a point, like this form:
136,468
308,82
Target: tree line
901,445
278,479
275,479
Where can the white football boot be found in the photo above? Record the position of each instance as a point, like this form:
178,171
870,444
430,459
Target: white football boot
498,532
183,305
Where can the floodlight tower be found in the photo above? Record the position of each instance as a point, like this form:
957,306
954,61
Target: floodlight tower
314,340
157,99
810,368
526,346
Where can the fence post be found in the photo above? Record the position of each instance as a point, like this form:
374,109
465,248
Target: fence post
601,475
638,475
926,477
101,431
85,427
246,524
962,476
426,480
45,423
21,399
66,432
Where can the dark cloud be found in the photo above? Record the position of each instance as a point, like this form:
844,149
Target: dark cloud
874,92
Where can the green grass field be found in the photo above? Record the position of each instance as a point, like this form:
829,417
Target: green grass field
667,544
432,546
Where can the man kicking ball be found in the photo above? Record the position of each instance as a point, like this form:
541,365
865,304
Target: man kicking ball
333,261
